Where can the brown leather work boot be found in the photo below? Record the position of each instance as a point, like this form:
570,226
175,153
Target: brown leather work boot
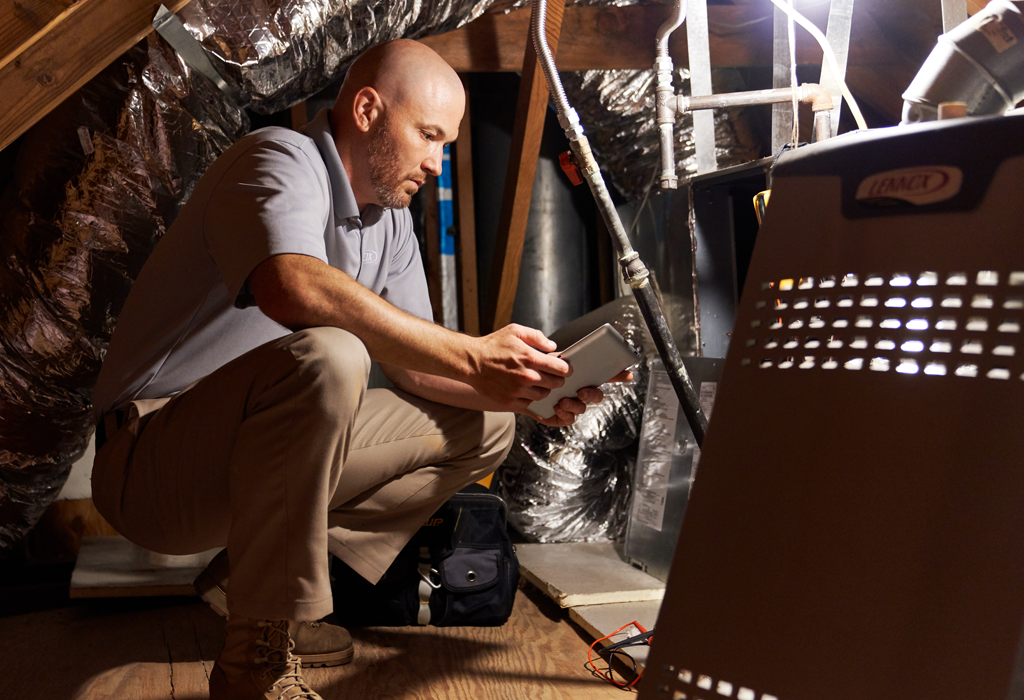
257,663
317,644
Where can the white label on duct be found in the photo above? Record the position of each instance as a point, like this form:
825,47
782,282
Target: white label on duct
86,140
998,34
922,185
707,397
656,451
708,390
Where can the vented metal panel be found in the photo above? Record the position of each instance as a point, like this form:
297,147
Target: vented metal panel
857,526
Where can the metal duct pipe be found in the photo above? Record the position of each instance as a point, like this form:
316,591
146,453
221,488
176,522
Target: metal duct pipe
633,271
664,92
980,63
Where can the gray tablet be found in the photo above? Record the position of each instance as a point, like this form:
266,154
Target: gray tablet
595,359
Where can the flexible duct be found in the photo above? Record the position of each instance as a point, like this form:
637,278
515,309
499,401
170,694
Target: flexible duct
980,63
95,185
279,53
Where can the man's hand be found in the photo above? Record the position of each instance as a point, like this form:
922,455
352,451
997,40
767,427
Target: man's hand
513,368
567,410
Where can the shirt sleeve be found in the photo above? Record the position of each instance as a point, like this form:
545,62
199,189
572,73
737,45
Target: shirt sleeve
272,200
406,285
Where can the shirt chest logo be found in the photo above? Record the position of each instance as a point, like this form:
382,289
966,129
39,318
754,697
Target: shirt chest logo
370,256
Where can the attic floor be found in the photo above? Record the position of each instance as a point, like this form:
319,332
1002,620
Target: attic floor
160,648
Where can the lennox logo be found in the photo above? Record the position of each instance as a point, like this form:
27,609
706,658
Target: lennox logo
922,185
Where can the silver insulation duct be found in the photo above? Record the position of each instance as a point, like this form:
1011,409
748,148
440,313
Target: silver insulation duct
574,484
95,185
280,53
616,108
98,181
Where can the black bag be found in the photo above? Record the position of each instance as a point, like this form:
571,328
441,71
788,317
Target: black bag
459,570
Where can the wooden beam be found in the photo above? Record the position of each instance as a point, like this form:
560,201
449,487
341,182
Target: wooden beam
432,233
465,226
66,53
298,115
20,20
604,38
522,169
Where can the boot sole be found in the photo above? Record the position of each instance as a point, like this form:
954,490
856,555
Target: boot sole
217,599
337,658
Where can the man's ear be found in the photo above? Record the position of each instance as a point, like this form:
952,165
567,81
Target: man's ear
367,108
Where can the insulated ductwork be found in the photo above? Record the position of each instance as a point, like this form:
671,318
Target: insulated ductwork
95,185
617,109
980,63
280,53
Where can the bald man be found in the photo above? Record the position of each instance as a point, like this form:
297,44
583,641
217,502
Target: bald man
232,406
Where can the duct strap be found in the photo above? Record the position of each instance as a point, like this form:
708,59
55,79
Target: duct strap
172,29
699,46
840,21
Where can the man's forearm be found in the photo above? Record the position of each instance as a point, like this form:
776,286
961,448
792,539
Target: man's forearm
509,367
302,292
440,389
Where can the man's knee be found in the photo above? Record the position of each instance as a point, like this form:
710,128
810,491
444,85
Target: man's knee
332,353
326,373
499,432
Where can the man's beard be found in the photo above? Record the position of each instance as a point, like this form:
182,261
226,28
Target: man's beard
385,176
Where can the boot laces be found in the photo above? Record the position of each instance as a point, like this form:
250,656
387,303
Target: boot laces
279,659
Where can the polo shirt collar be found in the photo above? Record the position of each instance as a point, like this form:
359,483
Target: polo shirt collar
345,207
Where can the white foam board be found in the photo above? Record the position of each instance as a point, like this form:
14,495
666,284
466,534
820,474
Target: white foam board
113,567
586,573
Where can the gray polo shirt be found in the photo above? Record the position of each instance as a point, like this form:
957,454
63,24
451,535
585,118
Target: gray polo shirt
274,191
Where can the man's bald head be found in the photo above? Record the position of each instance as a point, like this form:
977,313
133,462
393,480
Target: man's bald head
399,105
402,72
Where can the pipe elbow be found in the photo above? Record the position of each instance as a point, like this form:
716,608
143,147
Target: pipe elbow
819,98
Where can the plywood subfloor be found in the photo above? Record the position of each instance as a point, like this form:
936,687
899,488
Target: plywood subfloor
160,648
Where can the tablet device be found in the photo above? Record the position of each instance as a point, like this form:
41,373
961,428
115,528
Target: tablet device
595,359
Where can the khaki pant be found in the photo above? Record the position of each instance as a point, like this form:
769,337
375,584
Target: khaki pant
283,455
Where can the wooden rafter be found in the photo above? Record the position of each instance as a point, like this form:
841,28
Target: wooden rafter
39,70
465,219
602,38
522,169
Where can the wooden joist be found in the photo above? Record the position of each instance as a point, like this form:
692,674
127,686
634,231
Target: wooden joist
601,38
465,226
38,72
522,169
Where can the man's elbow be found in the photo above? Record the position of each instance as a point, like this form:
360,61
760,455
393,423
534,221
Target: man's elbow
289,305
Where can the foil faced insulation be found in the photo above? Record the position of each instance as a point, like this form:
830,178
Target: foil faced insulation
573,484
96,184
616,108
279,53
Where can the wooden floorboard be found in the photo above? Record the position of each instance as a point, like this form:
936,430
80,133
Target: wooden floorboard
160,648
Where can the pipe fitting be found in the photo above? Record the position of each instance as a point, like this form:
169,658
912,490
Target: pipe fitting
570,123
819,98
634,272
